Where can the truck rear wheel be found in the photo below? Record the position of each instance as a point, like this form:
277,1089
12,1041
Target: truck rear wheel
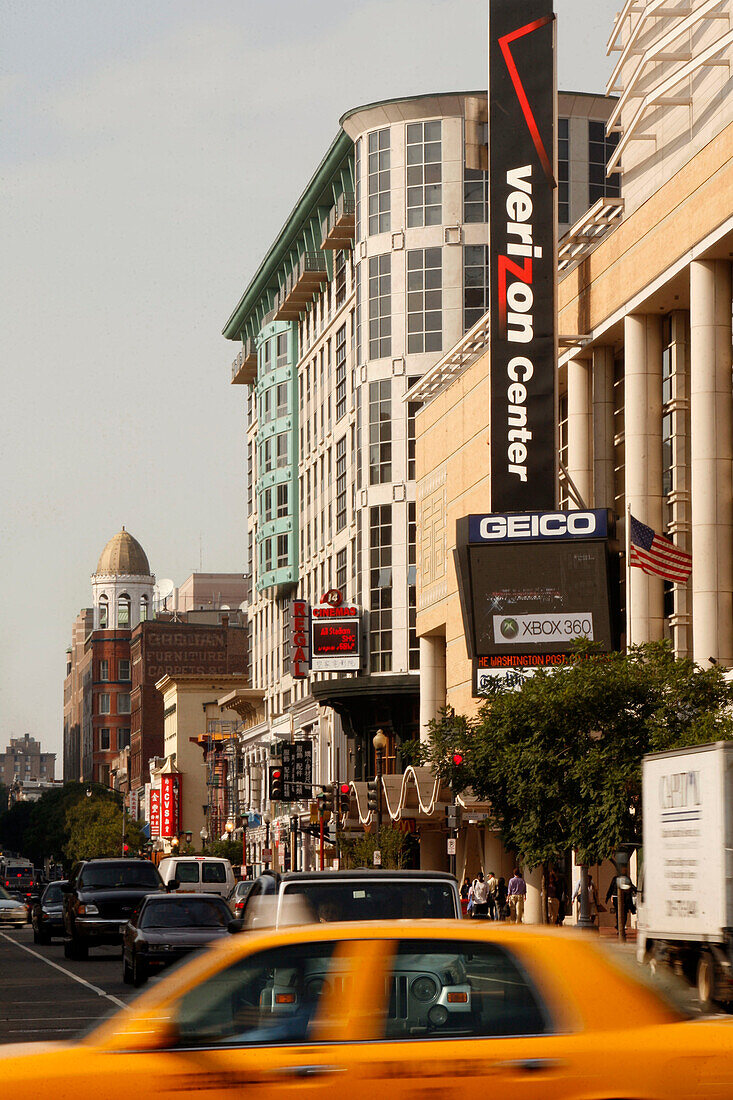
706,981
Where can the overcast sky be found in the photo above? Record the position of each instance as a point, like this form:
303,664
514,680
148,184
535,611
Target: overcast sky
150,152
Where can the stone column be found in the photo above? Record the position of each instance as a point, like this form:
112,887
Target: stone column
533,904
643,446
711,452
604,488
432,680
580,462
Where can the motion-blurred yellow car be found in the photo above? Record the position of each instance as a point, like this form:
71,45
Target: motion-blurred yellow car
390,1009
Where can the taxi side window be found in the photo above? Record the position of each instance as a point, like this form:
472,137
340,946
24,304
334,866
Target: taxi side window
443,989
269,998
187,872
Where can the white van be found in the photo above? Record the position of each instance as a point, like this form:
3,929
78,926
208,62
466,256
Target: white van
198,874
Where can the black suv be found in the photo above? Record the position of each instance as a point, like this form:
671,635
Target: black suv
99,899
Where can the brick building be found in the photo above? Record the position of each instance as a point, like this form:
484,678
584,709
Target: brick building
24,759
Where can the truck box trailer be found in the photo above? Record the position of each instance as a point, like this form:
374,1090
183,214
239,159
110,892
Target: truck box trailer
685,905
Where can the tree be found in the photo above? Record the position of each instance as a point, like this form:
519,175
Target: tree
559,760
95,829
38,830
358,851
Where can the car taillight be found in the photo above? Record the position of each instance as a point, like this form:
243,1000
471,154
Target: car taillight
239,907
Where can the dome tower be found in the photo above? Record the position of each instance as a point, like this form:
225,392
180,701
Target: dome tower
122,586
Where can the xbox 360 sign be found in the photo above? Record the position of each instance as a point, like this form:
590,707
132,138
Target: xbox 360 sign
522,254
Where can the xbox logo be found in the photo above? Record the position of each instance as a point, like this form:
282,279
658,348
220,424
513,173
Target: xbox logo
510,628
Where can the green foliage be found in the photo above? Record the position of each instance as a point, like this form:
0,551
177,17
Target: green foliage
560,759
358,851
226,849
38,830
95,830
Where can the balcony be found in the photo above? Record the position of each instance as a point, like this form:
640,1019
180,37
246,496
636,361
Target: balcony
307,278
244,367
338,228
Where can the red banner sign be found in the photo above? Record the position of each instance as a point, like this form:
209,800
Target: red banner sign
170,818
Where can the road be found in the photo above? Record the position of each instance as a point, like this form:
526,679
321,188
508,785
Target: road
44,996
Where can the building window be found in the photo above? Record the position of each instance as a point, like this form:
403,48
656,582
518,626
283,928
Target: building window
667,454
123,702
282,501
265,354
341,484
123,738
380,306
267,505
341,570
380,588
266,456
123,610
378,181
341,373
357,191
339,278
475,283
413,641
475,195
282,399
424,300
124,670
563,170
282,551
103,613
104,670
413,407
104,703
282,350
104,740
562,439
424,195
380,432
266,406
281,450
143,609
601,147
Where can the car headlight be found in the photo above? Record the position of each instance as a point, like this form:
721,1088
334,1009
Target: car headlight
88,909
158,947
424,989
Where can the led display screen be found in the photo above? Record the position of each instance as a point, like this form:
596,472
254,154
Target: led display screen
538,597
335,639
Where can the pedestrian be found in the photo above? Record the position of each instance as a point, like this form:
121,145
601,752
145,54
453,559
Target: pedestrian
553,898
492,884
516,894
501,912
465,888
480,897
612,896
594,905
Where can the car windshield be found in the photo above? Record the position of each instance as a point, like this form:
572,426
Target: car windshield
111,875
4,895
186,913
386,900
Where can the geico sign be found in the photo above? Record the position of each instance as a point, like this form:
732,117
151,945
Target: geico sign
532,525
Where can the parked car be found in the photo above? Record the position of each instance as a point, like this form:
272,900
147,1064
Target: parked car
12,911
47,913
238,897
198,874
393,1009
164,929
99,899
362,894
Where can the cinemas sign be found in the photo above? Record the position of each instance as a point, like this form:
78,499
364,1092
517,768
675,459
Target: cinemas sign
299,639
326,638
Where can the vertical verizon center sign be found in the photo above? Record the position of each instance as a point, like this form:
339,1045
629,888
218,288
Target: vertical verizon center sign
522,254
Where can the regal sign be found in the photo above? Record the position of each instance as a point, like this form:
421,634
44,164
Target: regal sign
522,254
299,639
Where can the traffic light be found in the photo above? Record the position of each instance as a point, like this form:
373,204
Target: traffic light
453,816
341,796
457,759
276,783
372,794
327,799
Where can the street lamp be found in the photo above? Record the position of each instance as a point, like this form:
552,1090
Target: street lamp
189,836
268,822
380,743
204,834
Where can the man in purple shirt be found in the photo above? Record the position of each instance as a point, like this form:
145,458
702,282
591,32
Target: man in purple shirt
516,893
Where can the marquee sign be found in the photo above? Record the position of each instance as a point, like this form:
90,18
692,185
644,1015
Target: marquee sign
170,805
335,635
522,254
154,811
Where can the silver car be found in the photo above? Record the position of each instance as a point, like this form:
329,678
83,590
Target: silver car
12,911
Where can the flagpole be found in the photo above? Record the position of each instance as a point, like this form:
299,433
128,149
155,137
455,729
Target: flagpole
627,540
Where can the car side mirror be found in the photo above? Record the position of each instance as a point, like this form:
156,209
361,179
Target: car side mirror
173,885
235,925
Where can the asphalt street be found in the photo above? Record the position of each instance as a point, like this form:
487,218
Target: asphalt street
44,996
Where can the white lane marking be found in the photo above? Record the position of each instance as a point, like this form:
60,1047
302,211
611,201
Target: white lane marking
68,973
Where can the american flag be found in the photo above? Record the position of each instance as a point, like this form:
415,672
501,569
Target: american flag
657,555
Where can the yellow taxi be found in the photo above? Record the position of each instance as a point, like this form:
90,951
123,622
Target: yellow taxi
390,1009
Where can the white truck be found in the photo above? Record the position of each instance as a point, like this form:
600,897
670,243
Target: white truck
685,904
